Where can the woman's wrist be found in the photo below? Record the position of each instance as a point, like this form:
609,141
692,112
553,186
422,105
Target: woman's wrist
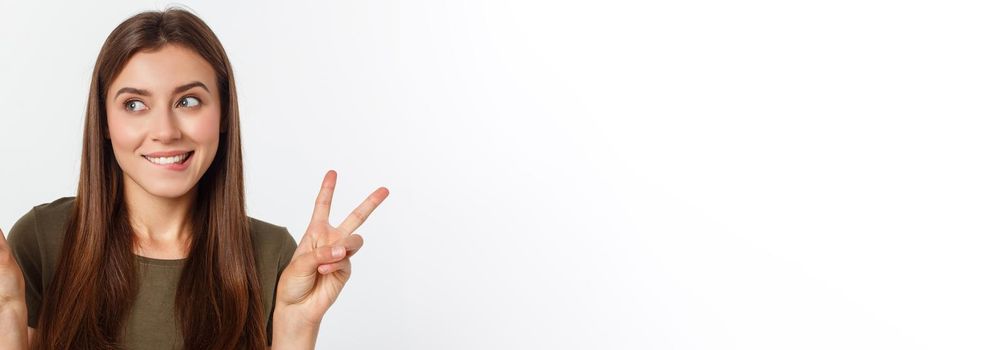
290,332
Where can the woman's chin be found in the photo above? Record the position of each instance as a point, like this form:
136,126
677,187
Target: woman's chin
166,189
170,192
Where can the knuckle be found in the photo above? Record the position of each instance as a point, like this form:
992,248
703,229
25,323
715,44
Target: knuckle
339,231
315,232
359,216
319,252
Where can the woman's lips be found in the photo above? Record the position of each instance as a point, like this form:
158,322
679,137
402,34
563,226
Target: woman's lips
174,166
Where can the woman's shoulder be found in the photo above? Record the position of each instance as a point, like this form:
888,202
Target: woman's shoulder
59,208
271,240
49,217
39,232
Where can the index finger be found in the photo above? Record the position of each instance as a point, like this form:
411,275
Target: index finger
322,206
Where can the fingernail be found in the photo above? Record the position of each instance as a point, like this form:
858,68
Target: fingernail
337,252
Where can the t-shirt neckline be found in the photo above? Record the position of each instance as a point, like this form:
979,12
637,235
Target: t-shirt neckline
160,262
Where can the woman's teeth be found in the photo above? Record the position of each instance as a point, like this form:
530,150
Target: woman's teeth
169,160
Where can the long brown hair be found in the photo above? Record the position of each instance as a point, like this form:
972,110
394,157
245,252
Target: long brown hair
218,303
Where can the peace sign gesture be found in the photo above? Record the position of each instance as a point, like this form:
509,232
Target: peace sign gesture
320,266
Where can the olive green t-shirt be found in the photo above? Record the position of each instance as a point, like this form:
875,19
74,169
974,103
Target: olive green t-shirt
37,237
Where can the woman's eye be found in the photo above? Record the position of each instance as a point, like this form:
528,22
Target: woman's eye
134,105
189,102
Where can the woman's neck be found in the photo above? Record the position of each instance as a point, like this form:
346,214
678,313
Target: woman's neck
162,226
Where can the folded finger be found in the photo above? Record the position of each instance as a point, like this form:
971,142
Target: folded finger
306,264
343,265
352,244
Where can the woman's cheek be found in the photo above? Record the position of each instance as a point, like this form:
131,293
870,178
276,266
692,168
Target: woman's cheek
206,132
207,129
126,138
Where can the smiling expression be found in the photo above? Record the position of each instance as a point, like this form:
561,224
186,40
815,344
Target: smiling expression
164,120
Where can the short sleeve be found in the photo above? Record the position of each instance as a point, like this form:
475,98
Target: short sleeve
286,250
23,240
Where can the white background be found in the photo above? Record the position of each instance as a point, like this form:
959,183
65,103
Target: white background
597,174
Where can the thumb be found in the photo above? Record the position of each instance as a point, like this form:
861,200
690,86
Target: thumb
305,264
3,241
6,255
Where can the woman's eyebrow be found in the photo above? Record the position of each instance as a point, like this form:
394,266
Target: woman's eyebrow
191,85
142,92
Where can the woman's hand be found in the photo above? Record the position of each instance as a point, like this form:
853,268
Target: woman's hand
13,310
320,266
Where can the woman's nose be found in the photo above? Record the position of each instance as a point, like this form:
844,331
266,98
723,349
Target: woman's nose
164,126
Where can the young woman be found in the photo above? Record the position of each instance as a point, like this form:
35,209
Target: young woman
156,251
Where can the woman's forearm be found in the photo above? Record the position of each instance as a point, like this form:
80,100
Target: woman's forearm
291,333
13,326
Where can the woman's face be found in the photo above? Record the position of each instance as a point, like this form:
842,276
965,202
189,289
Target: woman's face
164,120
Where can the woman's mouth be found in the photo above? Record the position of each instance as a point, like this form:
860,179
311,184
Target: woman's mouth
178,162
